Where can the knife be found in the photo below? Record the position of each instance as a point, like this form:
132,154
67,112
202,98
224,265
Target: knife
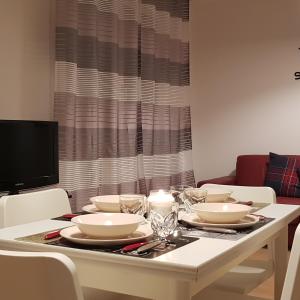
52,235
70,216
148,246
249,203
218,230
132,247
208,228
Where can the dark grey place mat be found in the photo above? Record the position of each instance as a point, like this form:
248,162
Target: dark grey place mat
189,234
62,218
159,250
191,231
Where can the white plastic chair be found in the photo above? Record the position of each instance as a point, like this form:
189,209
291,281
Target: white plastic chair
260,195
34,206
291,287
38,275
250,273
39,205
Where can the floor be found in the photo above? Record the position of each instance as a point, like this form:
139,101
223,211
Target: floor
266,289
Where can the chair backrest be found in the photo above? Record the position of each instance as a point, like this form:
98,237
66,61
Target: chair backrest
291,287
38,275
35,206
257,194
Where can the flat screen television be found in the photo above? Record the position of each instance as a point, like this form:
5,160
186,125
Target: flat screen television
28,154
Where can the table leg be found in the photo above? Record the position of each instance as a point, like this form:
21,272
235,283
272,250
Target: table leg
175,291
281,261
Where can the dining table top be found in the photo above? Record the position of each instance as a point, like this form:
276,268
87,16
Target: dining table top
190,260
175,275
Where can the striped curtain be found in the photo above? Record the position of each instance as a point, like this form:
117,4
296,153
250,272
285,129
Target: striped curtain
122,78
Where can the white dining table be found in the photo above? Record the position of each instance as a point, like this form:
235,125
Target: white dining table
176,275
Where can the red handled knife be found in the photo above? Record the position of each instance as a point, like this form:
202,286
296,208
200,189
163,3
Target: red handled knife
52,235
69,216
132,247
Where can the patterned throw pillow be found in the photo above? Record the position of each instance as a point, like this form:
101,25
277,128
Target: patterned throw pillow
283,175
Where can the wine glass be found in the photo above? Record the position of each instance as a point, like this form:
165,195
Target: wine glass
132,203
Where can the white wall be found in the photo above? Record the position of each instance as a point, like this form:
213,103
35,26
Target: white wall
244,98
243,56
26,59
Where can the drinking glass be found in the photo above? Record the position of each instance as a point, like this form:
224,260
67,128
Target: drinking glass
187,196
193,196
132,203
177,192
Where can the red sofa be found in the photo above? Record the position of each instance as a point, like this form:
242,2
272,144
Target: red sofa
251,171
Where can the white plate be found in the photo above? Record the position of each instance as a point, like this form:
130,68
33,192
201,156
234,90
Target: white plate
73,234
194,220
91,208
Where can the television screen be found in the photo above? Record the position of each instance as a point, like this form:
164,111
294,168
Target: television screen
28,154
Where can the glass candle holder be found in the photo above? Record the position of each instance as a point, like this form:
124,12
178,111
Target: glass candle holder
163,213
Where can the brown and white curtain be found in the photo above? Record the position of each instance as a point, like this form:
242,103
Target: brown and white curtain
122,78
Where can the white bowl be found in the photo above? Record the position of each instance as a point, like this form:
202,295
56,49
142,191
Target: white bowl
221,213
108,225
107,203
217,194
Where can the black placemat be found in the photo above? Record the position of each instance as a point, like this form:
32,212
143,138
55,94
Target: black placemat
188,235
62,218
152,253
192,231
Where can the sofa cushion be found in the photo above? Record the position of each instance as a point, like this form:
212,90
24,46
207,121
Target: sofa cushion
292,201
251,169
282,175
288,200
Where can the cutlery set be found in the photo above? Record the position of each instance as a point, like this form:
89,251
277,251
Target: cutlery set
207,228
140,247
217,229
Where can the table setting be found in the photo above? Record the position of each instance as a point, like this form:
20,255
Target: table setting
190,258
136,225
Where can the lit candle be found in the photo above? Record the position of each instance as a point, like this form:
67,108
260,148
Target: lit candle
161,202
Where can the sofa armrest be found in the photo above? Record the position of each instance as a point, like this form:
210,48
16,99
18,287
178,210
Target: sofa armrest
227,180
